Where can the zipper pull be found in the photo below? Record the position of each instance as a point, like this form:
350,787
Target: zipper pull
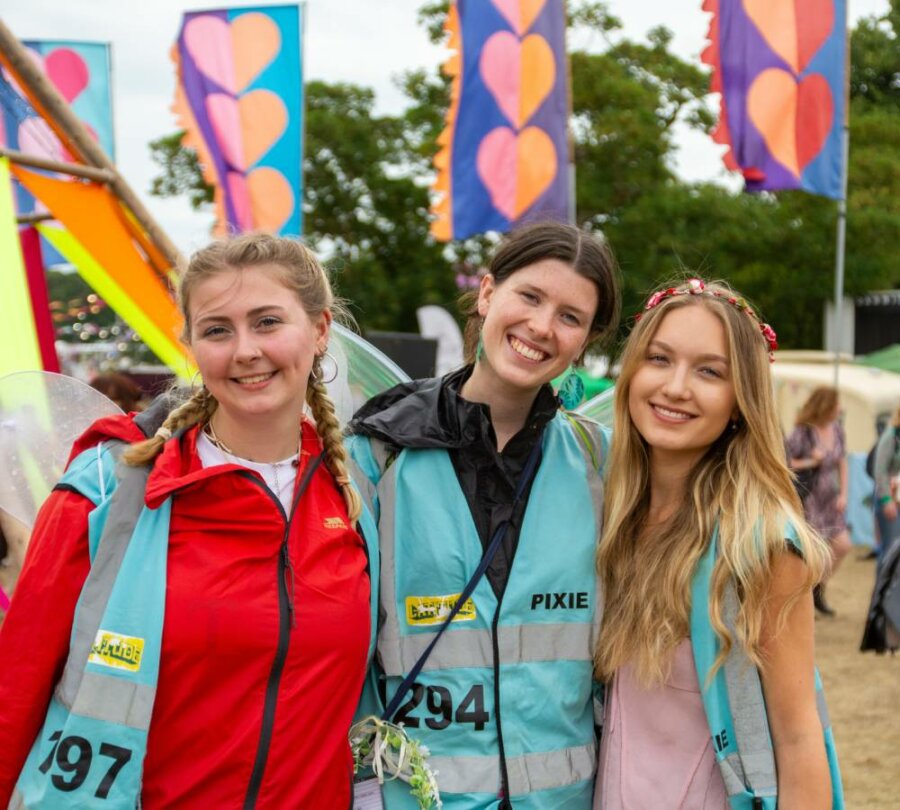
289,581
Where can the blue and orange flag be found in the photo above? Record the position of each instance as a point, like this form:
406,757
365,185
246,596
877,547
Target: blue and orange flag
504,153
239,99
781,70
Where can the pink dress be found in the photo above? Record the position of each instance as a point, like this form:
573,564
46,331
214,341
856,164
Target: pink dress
656,752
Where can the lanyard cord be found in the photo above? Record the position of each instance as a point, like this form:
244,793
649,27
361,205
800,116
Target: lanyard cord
499,533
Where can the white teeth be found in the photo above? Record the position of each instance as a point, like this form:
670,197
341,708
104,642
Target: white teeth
671,414
255,379
526,351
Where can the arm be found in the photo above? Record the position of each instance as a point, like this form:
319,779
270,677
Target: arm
34,641
802,455
884,455
788,682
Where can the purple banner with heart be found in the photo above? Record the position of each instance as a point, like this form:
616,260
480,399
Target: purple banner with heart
239,99
504,152
781,70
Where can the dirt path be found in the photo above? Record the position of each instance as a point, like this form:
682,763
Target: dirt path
863,692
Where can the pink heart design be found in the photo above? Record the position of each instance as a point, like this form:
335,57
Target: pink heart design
794,118
520,14
518,74
239,194
796,43
516,169
68,72
208,41
225,117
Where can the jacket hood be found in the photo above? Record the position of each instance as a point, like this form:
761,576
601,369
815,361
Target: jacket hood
121,427
431,413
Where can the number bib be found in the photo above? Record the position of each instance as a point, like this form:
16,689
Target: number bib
82,762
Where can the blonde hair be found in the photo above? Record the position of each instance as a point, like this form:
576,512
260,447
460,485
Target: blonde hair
742,484
304,276
819,406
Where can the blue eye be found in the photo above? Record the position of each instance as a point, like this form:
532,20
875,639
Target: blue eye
268,322
215,331
574,320
530,297
711,372
656,358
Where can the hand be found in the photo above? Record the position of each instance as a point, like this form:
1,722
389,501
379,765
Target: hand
890,510
816,456
841,503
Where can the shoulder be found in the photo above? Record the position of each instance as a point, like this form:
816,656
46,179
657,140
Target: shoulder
594,437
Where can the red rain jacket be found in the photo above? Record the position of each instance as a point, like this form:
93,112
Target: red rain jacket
226,629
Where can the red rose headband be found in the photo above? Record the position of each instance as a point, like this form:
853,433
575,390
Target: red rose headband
696,286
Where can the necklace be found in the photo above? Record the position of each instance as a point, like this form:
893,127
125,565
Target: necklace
210,432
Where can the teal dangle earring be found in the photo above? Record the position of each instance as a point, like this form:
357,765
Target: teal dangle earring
479,349
571,391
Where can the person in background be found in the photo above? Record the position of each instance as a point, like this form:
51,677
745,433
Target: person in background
817,442
122,390
707,568
482,472
887,484
217,584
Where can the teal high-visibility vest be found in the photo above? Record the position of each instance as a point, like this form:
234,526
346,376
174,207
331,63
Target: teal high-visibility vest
735,707
532,648
91,748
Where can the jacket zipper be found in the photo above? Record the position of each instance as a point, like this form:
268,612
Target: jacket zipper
285,623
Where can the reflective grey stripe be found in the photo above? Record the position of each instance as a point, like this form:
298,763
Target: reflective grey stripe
593,455
748,711
565,641
527,773
17,802
388,646
125,508
114,700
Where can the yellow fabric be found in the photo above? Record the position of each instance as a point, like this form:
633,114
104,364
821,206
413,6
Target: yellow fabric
96,240
169,351
19,349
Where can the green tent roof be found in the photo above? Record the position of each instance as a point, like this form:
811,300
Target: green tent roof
887,359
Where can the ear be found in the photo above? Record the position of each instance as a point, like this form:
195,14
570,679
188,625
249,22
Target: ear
322,326
485,293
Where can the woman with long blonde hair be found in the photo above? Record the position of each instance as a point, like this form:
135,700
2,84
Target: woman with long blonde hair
707,566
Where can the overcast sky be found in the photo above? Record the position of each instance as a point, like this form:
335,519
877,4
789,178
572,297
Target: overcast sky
362,41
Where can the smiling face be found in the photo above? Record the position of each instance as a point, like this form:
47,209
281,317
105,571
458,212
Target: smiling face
681,397
536,323
254,343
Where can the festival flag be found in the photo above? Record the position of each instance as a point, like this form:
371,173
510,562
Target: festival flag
80,71
504,152
781,70
239,98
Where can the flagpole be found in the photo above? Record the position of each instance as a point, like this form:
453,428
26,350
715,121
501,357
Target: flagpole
841,241
572,213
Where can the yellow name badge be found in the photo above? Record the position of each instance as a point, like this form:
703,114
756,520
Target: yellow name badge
425,610
117,651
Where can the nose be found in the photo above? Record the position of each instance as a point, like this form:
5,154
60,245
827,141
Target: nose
247,349
677,382
541,322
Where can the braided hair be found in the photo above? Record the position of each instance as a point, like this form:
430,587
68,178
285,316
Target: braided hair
302,274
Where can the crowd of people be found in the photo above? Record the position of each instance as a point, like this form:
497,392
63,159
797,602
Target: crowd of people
220,583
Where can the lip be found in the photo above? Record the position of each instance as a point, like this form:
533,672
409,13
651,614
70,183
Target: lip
254,386
668,418
527,345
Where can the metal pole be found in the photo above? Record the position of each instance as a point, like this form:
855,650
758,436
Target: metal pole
303,12
48,103
572,212
839,258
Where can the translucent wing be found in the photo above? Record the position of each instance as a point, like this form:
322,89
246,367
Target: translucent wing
362,372
600,408
41,415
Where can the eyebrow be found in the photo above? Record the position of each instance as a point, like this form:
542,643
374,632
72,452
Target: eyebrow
702,357
253,313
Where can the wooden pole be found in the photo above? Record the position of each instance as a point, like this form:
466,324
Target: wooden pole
48,103
75,169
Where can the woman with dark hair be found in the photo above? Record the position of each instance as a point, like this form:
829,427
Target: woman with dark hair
122,390
816,446
489,499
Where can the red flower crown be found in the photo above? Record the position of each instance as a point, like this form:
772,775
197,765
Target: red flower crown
696,286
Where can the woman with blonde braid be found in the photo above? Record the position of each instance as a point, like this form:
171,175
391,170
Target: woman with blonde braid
197,618
707,566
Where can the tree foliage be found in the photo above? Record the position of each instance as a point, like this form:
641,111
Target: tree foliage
367,177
